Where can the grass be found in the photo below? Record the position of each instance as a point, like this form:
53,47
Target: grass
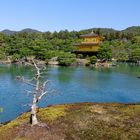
51,114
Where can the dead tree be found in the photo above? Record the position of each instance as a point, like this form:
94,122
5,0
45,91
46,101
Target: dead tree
38,93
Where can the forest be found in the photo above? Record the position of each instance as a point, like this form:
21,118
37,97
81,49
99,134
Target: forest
122,45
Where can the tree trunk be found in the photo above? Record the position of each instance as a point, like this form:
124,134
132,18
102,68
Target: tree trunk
33,117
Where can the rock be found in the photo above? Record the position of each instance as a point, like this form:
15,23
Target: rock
53,61
5,62
81,62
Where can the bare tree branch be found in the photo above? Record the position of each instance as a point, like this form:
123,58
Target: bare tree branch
22,79
42,94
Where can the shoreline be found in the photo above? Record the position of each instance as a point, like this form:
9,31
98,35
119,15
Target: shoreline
79,62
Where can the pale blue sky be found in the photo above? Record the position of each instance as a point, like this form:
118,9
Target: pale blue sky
51,15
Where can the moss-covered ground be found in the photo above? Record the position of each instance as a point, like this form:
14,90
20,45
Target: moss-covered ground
83,121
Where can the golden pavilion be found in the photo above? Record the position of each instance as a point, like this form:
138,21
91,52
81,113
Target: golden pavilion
89,43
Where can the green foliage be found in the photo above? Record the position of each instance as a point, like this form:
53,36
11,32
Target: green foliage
136,40
93,59
15,57
80,56
25,52
2,55
50,54
105,51
135,55
66,58
123,56
132,31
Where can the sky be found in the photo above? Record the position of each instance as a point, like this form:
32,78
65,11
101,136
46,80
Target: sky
56,15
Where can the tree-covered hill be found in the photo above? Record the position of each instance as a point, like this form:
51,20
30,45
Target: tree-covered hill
28,30
122,45
101,30
134,30
8,32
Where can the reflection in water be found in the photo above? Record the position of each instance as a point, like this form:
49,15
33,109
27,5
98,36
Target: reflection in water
74,84
65,75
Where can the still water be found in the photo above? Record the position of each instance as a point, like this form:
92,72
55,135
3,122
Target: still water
72,84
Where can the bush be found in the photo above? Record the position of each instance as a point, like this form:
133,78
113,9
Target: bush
66,58
80,56
2,57
105,52
93,59
49,54
15,57
135,55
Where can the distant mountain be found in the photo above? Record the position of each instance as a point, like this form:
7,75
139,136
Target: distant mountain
134,30
28,30
8,32
104,30
128,32
101,31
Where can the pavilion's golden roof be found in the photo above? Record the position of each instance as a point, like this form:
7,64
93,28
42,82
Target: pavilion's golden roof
92,34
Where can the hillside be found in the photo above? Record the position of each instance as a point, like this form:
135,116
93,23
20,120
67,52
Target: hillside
83,121
100,30
8,32
28,30
134,29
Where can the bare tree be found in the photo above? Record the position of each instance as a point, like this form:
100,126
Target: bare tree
38,93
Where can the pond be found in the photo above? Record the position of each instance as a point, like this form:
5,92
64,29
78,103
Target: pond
72,85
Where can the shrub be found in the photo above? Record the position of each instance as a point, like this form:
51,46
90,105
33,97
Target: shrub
93,59
66,58
15,57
